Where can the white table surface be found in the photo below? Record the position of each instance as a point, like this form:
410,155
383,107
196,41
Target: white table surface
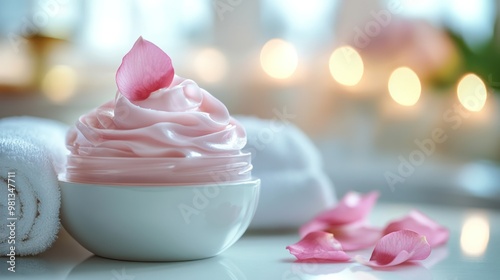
262,255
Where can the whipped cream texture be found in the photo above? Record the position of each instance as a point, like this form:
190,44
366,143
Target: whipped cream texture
180,134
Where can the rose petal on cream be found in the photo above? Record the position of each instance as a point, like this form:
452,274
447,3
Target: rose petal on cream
416,221
352,208
144,69
318,245
396,248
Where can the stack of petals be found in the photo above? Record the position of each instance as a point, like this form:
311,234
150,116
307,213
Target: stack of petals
345,228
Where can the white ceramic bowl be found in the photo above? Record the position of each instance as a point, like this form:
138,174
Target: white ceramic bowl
158,223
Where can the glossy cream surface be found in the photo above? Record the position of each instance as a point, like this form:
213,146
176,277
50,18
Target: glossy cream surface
180,135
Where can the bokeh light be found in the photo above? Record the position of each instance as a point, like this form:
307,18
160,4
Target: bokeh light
404,86
210,64
59,84
346,66
475,236
471,92
279,59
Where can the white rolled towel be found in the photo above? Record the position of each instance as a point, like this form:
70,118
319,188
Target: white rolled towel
32,153
294,187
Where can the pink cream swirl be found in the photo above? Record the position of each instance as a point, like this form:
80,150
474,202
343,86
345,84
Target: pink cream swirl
180,134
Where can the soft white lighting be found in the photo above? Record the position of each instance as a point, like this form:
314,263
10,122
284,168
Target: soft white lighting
108,24
428,9
301,18
474,20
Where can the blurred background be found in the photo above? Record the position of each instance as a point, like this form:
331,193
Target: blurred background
399,95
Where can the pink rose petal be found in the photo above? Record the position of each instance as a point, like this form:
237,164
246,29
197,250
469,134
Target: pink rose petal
420,223
357,236
354,236
312,226
352,208
398,247
144,69
347,222
318,245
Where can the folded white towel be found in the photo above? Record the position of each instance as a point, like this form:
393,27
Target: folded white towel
294,187
32,152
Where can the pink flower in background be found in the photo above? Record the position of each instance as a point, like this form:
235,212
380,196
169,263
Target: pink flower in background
144,70
418,222
347,221
398,247
318,245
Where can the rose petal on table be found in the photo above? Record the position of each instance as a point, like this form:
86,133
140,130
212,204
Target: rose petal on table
353,207
396,248
312,226
144,69
416,221
357,237
318,245
352,237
